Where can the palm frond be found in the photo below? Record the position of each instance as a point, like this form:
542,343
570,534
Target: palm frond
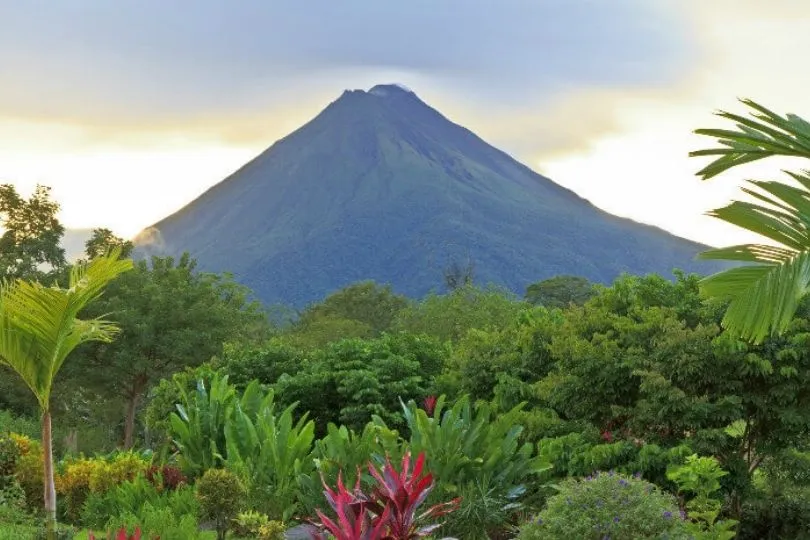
763,297
764,134
39,325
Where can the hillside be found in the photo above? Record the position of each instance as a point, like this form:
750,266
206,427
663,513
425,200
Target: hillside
381,186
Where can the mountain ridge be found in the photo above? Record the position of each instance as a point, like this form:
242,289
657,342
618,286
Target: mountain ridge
395,182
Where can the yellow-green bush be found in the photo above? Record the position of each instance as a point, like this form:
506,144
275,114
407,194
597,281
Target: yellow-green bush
79,477
273,530
221,495
29,469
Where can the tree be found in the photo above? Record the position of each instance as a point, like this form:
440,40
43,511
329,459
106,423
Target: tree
560,291
766,290
39,328
29,245
450,316
103,240
366,302
171,316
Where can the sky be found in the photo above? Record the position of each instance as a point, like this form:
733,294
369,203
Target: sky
131,109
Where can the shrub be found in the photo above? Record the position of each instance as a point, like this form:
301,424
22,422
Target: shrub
390,512
165,477
29,470
272,530
771,516
156,523
131,497
81,477
9,453
12,504
221,494
248,523
605,505
61,532
475,450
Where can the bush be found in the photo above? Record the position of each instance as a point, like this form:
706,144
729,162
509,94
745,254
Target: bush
62,532
25,425
12,504
165,477
248,523
9,453
606,505
771,516
81,477
29,470
221,494
272,530
130,498
475,451
156,522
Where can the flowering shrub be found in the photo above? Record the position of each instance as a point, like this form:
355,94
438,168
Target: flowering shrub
604,506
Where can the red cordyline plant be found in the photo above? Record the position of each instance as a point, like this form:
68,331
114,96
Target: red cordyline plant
122,535
429,405
390,513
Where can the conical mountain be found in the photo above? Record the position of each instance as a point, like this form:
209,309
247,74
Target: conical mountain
381,186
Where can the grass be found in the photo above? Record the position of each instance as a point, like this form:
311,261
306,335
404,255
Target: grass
19,532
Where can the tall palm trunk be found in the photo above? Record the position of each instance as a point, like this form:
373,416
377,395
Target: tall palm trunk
47,458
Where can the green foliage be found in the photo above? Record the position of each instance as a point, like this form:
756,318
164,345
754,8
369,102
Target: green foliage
700,476
273,530
473,450
12,504
350,381
58,532
605,505
23,425
171,316
131,497
164,397
271,451
103,240
198,426
366,302
773,514
501,361
343,451
9,454
265,363
448,317
765,293
30,242
560,292
157,522
221,495
247,524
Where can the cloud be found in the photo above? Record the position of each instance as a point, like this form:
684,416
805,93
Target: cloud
226,68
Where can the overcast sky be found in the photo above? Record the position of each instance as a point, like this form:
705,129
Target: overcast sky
129,109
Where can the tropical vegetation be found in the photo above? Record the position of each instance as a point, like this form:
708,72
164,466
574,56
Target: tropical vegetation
173,406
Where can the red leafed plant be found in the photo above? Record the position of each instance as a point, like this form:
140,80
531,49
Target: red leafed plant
390,513
165,477
429,404
122,535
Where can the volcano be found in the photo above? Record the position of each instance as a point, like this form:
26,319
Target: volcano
381,186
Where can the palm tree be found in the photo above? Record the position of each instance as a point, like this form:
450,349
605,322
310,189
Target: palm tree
39,328
764,293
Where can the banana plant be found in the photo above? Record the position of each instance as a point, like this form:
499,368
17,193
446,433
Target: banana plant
198,426
273,451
